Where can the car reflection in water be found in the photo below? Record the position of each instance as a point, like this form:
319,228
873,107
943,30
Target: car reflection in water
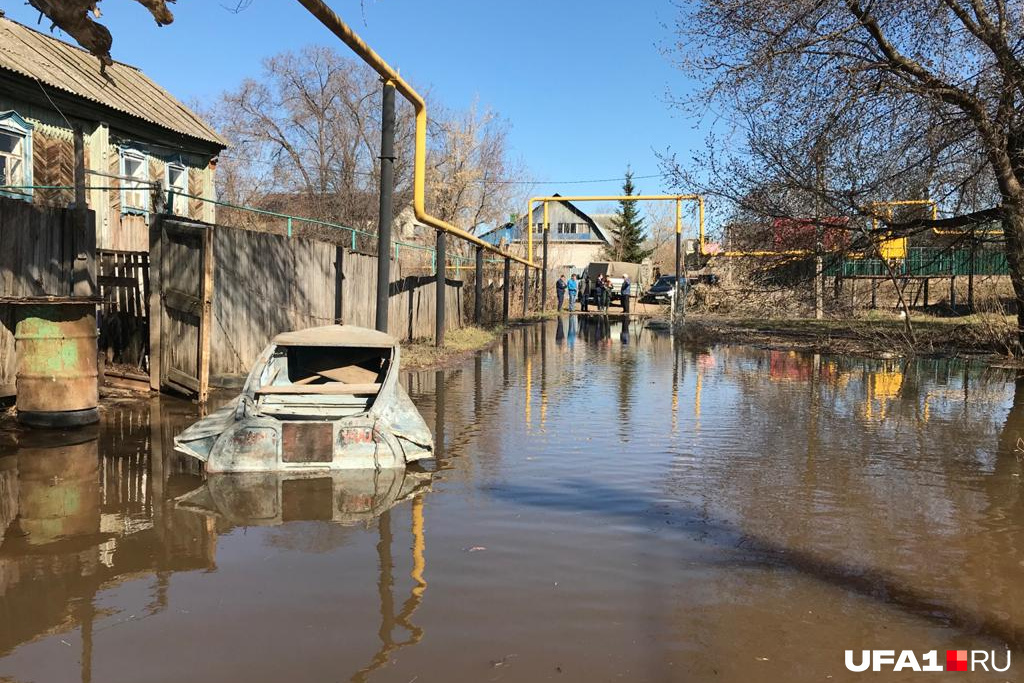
273,498
351,497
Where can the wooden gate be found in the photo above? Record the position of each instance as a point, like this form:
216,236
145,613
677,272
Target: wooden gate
181,258
123,280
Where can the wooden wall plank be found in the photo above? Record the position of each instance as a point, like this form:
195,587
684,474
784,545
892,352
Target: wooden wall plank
34,261
265,284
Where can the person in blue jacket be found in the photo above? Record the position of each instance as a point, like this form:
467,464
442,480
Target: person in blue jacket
573,287
625,291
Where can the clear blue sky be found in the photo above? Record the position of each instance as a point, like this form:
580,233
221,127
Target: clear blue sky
582,82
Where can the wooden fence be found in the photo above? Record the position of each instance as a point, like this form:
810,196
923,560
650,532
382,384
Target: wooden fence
265,284
39,248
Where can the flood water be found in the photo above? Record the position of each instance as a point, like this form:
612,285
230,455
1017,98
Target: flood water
607,505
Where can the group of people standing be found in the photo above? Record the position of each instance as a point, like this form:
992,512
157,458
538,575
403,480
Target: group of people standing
577,289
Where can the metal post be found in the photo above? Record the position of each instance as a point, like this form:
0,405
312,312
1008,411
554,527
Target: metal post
679,269
683,290
505,292
386,212
478,304
544,273
874,293
526,290
926,292
79,281
952,289
442,261
970,276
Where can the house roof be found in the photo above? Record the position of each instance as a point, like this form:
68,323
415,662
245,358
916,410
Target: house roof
124,88
602,231
490,231
605,224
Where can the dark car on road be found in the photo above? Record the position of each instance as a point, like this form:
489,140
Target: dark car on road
661,291
664,288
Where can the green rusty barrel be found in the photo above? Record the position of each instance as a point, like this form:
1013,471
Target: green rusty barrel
55,345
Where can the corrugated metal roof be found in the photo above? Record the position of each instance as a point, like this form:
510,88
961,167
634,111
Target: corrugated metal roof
60,65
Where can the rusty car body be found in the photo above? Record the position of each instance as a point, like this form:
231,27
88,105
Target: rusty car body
324,398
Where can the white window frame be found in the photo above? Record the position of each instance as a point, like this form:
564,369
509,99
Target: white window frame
180,207
11,122
140,183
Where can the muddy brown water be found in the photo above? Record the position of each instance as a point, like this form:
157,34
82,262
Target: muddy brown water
607,505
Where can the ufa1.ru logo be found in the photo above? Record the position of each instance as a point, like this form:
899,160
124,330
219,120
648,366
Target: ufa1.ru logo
907,660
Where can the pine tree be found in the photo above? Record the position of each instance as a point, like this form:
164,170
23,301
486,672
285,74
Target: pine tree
627,242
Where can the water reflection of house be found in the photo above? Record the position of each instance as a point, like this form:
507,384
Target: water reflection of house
794,366
76,522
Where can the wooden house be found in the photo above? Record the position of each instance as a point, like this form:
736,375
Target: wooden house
137,137
575,238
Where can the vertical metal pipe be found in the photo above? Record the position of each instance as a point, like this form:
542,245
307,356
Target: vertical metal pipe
386,212
544,273
79,283
679,258
505,291
526,290
970,275
478,303
440,268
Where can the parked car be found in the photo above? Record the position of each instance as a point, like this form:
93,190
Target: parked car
661,291
664,289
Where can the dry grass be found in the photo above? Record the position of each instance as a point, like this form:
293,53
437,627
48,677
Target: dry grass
423,355
876,333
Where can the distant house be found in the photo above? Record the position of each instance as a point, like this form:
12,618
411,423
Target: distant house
574,239
136,135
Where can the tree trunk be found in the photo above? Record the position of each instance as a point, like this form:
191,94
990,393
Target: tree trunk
1013,232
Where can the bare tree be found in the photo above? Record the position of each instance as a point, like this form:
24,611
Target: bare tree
661,240
472,178
72,16
917,98
305,137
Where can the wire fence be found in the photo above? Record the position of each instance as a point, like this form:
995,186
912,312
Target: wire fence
927,262
453,261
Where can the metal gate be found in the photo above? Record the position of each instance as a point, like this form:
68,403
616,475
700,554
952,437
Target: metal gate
181,258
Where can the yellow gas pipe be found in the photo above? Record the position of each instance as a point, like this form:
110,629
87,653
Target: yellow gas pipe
339,28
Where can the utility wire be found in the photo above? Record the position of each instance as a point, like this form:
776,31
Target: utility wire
267,162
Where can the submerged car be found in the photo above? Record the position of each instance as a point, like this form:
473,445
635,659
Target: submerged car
324,398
